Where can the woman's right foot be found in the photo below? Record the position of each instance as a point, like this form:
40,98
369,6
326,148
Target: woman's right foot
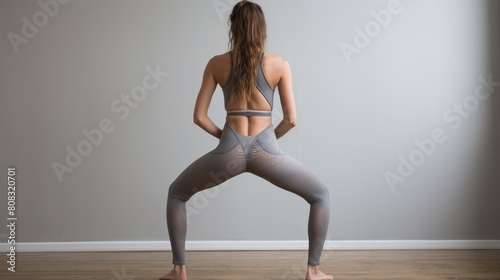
313,273
178,273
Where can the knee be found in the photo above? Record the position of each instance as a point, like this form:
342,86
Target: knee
321,196
181,191
174,192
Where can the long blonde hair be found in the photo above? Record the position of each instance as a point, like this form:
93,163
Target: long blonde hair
247,38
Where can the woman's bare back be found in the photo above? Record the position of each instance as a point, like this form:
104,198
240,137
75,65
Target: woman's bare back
248,125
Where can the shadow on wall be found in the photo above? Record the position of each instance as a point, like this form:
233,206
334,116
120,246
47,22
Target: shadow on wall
485,185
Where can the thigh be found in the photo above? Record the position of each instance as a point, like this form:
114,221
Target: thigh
289,174
208,171
270,163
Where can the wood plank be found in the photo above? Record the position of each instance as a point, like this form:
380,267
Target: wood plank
262,265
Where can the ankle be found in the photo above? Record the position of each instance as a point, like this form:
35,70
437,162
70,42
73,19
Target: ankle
313,269
179,268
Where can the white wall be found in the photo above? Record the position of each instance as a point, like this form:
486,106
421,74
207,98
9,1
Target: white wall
357,114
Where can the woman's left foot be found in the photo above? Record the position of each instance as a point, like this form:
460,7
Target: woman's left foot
178,273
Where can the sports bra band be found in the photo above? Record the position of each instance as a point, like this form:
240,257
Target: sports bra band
249,113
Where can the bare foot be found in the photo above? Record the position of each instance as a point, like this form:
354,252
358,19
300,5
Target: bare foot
313,273
178,273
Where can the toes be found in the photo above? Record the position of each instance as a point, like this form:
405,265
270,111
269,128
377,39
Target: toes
167,276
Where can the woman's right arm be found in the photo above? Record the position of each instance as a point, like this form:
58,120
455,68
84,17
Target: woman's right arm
200,114
287,101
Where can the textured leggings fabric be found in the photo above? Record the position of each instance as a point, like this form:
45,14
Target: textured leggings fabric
260,155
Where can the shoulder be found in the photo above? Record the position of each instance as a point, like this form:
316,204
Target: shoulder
275,59
220,59
278,64
219,67
219,62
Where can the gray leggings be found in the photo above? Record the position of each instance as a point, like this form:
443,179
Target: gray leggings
260,155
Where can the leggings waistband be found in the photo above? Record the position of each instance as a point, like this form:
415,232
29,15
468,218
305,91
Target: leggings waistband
230,139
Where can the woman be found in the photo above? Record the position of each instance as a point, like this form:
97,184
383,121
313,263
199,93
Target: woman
248,141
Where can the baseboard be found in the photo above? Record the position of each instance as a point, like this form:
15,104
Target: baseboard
251,245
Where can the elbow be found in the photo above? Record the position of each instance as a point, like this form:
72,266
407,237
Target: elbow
198,120
292,121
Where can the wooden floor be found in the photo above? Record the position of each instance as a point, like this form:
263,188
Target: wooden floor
421,264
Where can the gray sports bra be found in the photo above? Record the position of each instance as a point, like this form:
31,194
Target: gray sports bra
262,85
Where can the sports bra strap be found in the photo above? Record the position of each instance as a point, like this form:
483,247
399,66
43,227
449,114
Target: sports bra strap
262,85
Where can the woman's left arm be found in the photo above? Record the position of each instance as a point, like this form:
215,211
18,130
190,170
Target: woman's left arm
200,116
